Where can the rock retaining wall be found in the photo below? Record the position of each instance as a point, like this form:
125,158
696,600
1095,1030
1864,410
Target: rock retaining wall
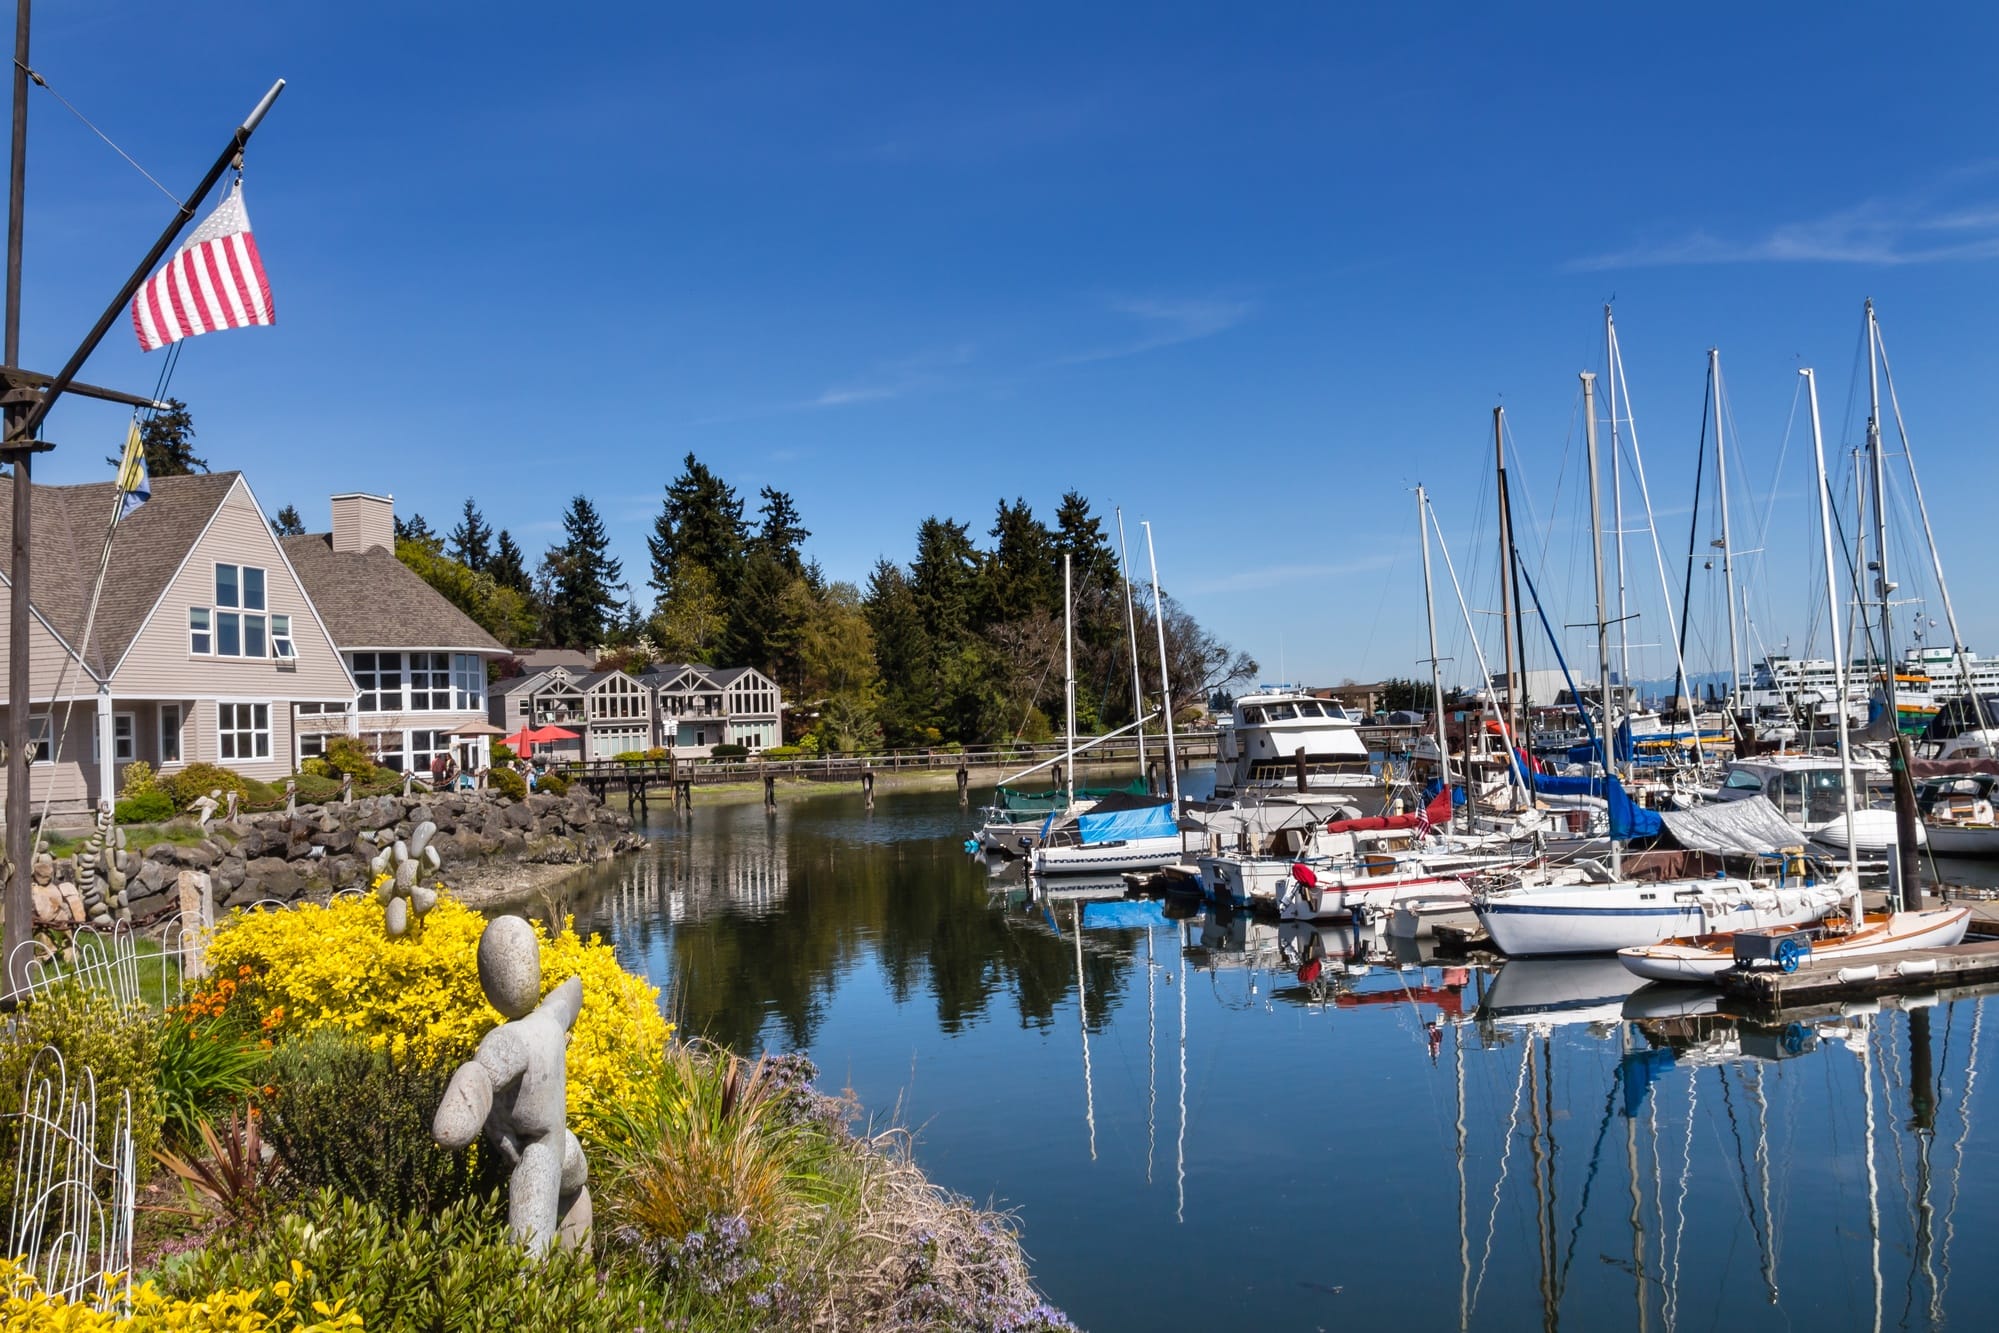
325,848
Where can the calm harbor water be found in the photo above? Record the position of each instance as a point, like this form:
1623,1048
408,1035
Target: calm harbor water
1193,1137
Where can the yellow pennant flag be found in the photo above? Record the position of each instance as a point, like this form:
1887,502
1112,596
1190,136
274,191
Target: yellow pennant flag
135,483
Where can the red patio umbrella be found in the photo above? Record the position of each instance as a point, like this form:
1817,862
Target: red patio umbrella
524,740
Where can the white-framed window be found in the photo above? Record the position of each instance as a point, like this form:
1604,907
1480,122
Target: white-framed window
39,749
243,731
311,744
281,639
430,682
425,746
169,733
380,678
236,625
468,683
124,738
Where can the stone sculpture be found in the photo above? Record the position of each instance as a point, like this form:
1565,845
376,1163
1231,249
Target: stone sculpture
99,878
514,1087
396,869
291,798
204,807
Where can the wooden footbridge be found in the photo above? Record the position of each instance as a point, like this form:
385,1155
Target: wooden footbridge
676,778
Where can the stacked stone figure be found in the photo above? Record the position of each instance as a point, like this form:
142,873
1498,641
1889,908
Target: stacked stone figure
404,901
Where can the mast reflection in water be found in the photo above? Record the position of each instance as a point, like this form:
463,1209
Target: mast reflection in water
1210,1121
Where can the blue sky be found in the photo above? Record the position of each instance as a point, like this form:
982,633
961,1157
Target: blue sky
1249,272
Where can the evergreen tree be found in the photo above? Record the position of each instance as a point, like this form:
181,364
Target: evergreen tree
169,442
288,523
1080,535
580,581
903,651
780,535
689,624
417,529
700,521
1024,574
766,618
509,566
942,579
472,539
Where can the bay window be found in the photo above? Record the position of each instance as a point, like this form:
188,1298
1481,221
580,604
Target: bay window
380,679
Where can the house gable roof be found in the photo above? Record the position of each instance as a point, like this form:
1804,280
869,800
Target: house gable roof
149,546
370,599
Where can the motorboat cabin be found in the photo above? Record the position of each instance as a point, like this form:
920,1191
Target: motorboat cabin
1274,730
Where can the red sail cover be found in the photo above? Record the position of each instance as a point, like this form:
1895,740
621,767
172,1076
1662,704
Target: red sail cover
1438,812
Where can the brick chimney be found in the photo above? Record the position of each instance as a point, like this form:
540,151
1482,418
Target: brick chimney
361,520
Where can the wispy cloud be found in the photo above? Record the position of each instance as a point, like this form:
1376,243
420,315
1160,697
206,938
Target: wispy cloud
920,372
1954,218
1272,576
1166,323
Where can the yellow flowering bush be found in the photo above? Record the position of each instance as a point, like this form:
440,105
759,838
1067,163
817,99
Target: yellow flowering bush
335,966
26,1308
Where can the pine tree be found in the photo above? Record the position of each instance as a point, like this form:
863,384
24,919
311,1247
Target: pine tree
700,520
417,529
580,581
1024,574
941,579
472,539
288,523
1080,534
169,441
903,650
780,535
508,565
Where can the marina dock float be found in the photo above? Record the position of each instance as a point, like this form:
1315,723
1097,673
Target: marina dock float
1832,981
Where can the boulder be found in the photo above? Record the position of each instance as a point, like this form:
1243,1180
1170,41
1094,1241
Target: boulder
336,841
274,878
230,873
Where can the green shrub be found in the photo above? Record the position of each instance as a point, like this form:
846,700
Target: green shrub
260,795
503,753
782,752
459,1270
120,1045
552,783
346,754
149,807
728,751
317,788
331,1093
313,766
207,1066
508,783
140,779
197,780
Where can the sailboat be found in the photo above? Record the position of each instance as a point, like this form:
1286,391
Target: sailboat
1123,831
1534,917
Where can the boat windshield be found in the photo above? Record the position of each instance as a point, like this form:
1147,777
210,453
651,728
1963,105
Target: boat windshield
1281,712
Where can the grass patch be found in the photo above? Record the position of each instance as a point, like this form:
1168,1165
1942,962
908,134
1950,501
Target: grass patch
159,972
138,837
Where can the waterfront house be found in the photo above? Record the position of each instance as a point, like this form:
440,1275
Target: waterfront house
610,711
700,707
203,645
418,663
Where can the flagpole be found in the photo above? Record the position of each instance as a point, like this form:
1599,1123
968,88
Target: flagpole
19,445
17,899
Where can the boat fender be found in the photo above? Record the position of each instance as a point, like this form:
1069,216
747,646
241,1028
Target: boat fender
1916,967
1870,972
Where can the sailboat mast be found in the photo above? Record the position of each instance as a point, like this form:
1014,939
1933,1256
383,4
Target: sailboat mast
1832,624
1596,560
1069,680
1727,542
1165,676
1882,587
1507,609
1131,633
1613,373
1436,679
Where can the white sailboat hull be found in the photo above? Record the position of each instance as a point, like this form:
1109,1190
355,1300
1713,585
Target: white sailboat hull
1873,831
1109,857
1929,928
1603,918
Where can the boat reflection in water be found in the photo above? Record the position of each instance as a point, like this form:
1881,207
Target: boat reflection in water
1567,1145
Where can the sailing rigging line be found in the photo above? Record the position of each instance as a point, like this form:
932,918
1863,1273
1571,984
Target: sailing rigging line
1505,1164
36,78
1957,1165
1680,1204
1756,1221
1595,1161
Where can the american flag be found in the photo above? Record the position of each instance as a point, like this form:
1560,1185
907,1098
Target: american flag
214,281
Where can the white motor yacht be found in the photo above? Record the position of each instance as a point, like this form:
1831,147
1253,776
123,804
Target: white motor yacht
1274,729
1807,791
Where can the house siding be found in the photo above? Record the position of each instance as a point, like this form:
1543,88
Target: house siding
46,656
159,665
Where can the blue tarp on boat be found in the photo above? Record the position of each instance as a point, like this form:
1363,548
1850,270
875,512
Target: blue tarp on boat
1121,820
1123,915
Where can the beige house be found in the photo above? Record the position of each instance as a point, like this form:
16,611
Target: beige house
203,645
418,662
